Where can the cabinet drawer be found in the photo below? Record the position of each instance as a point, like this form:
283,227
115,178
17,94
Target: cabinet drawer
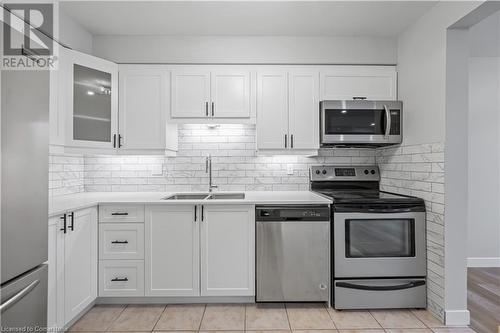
121,241
121,213
121,278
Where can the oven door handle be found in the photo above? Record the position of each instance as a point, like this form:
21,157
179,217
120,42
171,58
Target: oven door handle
408,285
388,122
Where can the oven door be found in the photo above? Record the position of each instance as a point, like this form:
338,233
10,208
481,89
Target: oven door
379,245
360,122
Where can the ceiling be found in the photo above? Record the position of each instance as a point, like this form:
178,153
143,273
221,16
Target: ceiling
260,18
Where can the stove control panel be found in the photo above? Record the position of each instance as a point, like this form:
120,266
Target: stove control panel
344,173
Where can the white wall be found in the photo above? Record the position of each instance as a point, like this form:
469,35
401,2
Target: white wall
246,49
483,230
422,70
74,35
422,86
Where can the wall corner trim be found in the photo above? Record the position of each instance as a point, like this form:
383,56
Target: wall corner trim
483,262
457,317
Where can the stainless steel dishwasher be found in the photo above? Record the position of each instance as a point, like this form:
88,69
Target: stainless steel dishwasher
293,253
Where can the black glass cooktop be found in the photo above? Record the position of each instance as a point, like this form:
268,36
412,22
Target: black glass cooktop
367,196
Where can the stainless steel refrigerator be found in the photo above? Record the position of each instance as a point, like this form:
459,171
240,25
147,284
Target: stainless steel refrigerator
24,198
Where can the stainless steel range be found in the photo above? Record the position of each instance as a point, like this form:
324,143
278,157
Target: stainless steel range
379,246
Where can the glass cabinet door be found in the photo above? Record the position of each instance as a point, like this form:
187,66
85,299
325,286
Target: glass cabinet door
93,101
91,104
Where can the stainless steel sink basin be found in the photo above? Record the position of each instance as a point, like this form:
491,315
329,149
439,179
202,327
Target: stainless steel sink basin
222,196
187,196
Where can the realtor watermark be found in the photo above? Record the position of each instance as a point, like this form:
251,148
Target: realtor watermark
28,30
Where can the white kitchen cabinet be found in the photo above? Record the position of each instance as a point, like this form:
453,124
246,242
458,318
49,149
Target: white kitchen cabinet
121,241
121,278
230,91
228,250
80,262
272,110
143,107
89,96
303,120
288,111
190,95
172,250
358,82
208,93
72,265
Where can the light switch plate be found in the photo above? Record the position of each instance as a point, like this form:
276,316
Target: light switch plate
289,169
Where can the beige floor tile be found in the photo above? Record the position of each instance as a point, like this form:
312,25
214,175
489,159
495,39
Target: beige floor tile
427,318
453,330
181,318
138,318
347,319
409,330
219,332
397,319
98,319
315,331
362,331
268,316
268,331
229,317
308,316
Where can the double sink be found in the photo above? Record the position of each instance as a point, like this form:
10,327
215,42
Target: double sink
205,196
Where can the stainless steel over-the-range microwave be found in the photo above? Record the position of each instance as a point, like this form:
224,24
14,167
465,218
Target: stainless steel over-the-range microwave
361,123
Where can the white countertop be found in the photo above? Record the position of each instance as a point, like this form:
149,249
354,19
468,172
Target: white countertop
61,204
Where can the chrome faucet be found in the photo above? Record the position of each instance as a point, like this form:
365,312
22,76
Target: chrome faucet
208,169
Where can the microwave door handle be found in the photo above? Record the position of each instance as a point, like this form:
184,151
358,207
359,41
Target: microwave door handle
388,122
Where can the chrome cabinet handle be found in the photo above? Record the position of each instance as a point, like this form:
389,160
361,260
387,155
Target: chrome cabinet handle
118,279
388,122
17,297
119,242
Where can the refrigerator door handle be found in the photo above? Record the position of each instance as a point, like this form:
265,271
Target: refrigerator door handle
17,297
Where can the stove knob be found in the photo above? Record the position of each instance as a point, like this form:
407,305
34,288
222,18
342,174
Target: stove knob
366,172
317,172
324,172
373,172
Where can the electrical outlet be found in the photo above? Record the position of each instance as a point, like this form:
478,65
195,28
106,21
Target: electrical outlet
157,170
289,169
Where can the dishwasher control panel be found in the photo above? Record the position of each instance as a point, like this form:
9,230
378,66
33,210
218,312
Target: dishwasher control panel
292,213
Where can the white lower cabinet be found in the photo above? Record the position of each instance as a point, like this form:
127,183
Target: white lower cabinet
172,265
172,250
72,265
121,278
228,250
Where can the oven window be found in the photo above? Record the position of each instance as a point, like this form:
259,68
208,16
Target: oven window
362,122
372,238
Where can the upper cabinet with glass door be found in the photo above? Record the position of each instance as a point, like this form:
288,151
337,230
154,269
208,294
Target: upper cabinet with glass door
91,101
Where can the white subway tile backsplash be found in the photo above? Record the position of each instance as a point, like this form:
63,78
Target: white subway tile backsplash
418,170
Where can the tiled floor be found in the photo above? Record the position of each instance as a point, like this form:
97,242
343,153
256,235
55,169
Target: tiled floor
261,318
